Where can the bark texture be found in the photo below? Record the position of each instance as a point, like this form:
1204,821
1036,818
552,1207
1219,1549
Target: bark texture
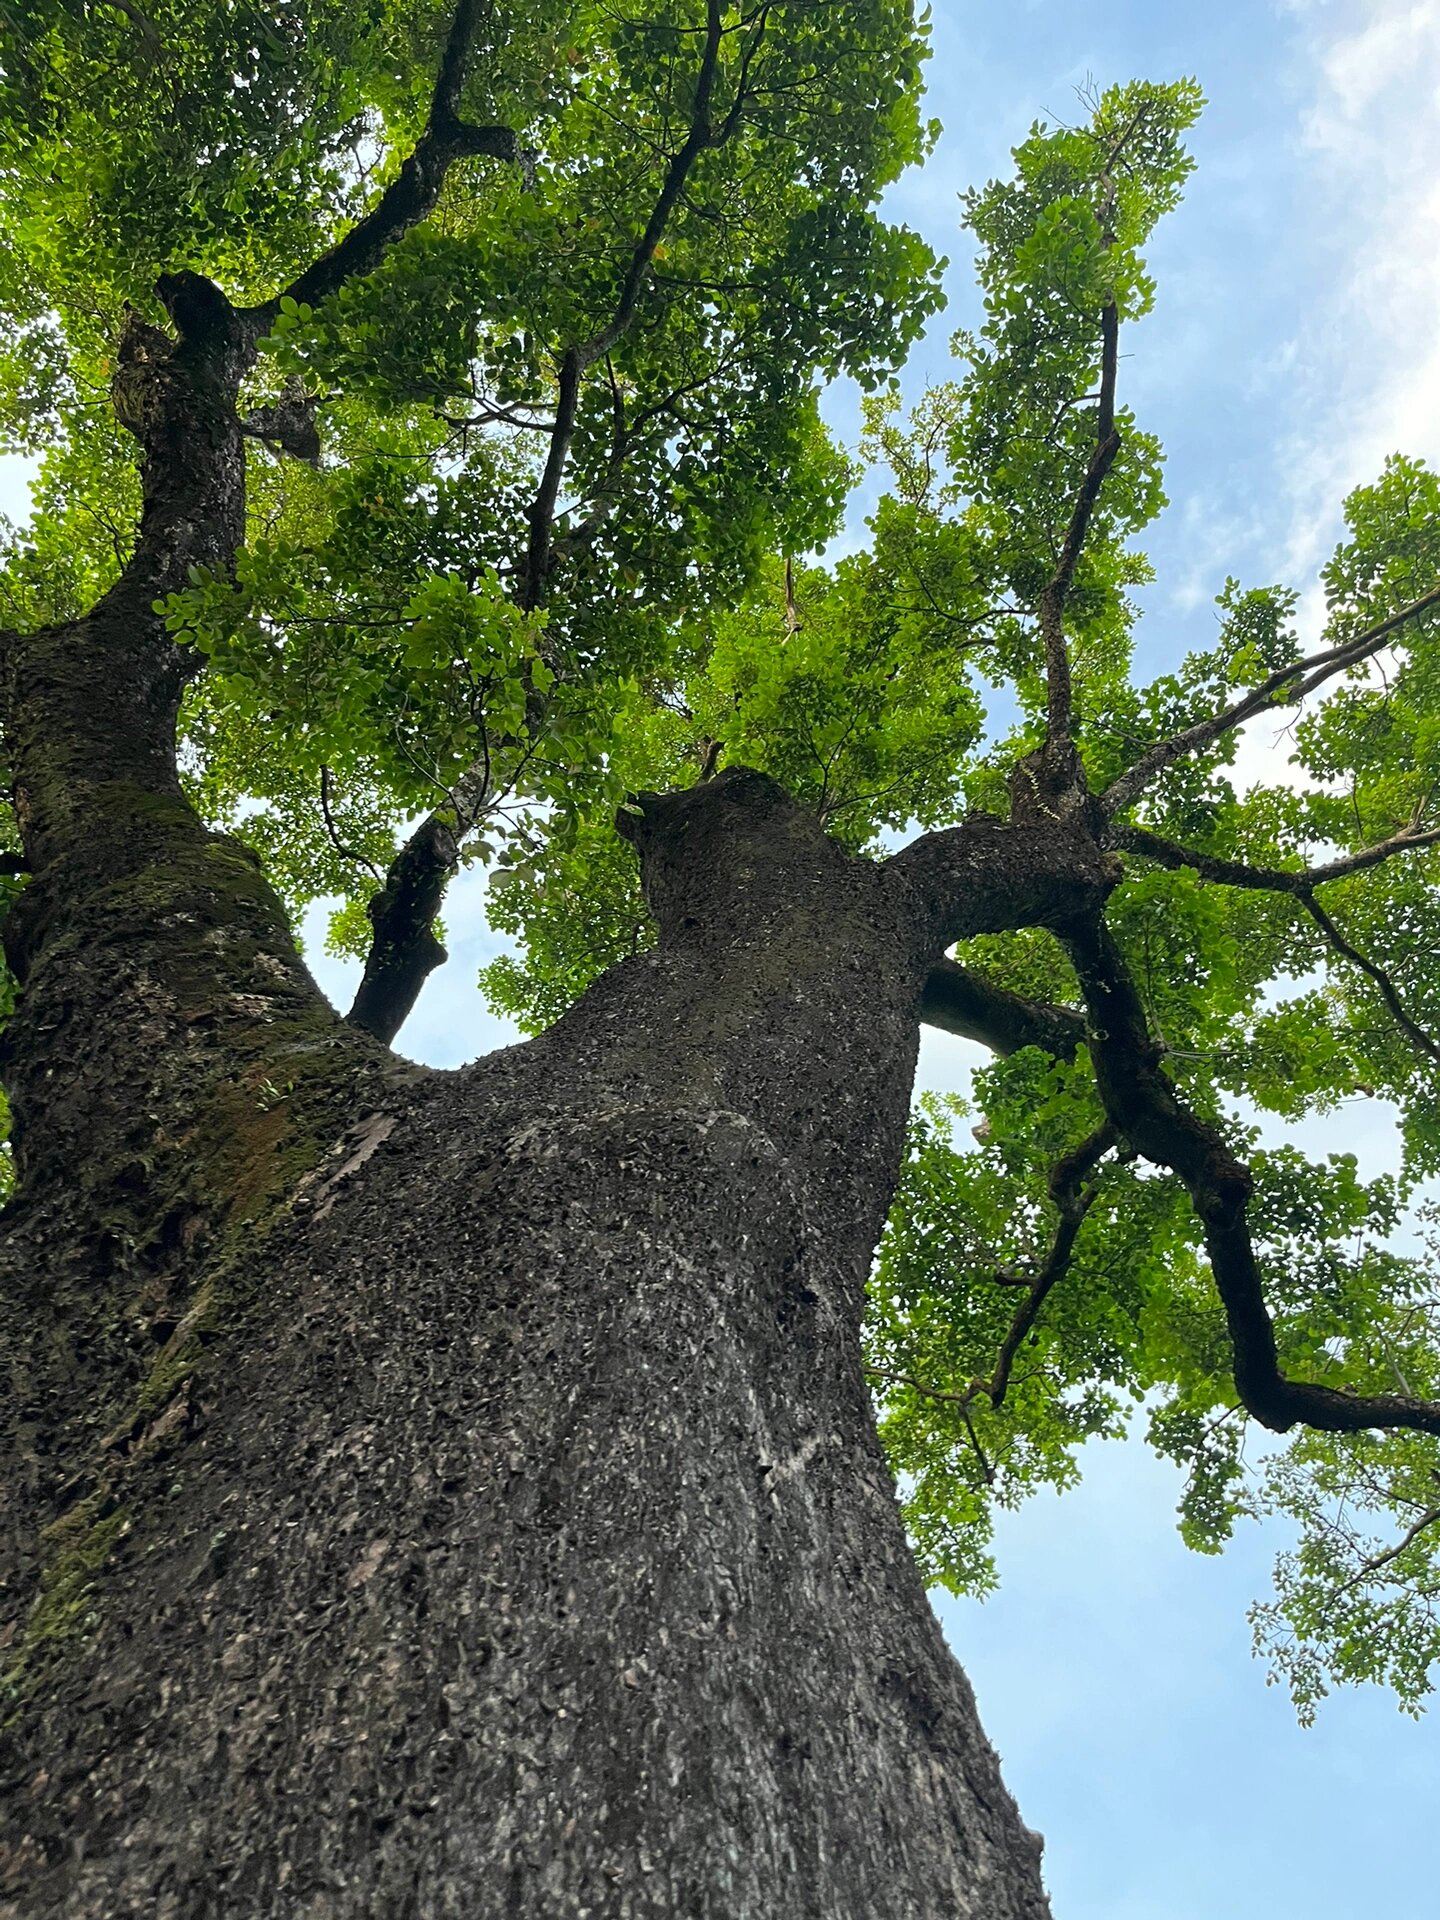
530,1551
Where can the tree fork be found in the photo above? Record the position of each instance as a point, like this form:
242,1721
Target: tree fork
532,1550
206,1071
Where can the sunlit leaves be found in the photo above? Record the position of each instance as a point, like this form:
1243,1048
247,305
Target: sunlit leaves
969,1230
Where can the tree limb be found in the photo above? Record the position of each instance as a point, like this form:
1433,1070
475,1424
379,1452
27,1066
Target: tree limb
541,514
1285,687
1415,1034
1236,873
580,356
990,876
955,1000
580,537
404,951
412,195
701,134
332,832
1377,1562
1299,883
1052,600
149,33
1143,1104
1073,1200
423,868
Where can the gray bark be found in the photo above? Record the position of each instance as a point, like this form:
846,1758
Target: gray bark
502,1529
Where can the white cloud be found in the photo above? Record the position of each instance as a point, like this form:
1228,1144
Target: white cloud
1371,350
1367,351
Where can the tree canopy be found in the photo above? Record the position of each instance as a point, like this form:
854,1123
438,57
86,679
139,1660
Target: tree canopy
537,499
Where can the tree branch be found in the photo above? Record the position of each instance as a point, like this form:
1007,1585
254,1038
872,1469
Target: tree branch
332,833
701,135
1415,1034
423,868
412,195
1052,600
541,514
1285,687
606,494
1073,1200
1143,1104
579,357
1377,1562
1236,873
990,876
149,33
404,951
1299,884
958,1001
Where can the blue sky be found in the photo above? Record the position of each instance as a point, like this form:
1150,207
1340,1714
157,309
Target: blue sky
1294,344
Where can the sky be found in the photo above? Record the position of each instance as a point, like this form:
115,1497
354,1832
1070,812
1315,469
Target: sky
1294,344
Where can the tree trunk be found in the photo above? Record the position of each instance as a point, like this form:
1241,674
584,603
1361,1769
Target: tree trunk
500,1529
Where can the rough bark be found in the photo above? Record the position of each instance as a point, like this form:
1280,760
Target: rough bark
529,1549
170,1063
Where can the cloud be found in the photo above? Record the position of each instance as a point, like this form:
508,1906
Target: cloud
1370,135
1365,358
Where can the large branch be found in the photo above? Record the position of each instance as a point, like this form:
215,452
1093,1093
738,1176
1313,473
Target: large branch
1238,873
541,515
1144,1105
412,195
990,876
961,1002
176,395
1285,687
404,951
1057,589
1300,884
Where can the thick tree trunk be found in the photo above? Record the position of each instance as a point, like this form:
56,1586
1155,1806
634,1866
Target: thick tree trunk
520,1543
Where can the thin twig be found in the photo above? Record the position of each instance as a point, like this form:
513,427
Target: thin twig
1379,1560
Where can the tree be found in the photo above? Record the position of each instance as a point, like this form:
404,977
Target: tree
460,1492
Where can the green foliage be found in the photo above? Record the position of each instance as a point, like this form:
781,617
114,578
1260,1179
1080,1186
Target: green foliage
368,654
1249,1002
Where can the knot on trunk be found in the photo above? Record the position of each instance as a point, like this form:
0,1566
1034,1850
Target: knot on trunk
1050,785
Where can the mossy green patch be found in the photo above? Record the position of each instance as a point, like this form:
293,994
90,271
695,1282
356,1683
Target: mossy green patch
78,1546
